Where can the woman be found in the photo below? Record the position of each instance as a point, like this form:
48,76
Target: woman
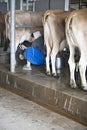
35,54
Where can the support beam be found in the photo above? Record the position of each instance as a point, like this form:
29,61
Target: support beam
66,5
21,4
12,58
27,5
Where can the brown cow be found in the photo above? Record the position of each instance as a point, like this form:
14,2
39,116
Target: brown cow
2,29
76,34
54,36
25,18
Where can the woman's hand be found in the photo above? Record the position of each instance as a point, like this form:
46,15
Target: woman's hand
24,47
21,57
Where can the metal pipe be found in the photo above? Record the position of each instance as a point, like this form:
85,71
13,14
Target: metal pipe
21,4
12,58
66,5
28,26
49,4
27,5
34,6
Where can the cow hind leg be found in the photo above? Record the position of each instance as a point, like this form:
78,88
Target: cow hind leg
48,71
72,67
82,69
53,61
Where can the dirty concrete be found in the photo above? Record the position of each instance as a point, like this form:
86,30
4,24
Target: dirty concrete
54,92
18,113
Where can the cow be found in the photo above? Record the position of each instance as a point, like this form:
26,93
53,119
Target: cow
76,35
28,23
2,29
54,36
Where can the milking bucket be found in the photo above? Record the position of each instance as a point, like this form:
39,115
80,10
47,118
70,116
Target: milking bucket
58,64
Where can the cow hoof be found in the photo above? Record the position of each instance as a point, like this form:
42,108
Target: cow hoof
73,86
48,73
54,75
84,88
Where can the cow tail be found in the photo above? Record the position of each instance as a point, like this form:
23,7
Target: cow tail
45,23
69,31
68,28
46,16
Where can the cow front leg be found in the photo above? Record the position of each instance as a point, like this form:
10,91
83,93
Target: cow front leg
82,69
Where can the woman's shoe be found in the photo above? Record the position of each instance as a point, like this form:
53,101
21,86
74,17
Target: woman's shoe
26,67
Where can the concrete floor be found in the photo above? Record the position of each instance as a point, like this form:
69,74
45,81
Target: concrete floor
53,93
18,113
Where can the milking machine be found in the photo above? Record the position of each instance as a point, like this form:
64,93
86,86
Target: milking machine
58,64
61,59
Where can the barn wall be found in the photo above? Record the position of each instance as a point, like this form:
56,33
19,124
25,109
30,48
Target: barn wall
42,5
54,4
3,7
45,4
57,4
17,4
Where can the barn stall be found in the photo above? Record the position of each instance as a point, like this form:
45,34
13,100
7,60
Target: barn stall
54,93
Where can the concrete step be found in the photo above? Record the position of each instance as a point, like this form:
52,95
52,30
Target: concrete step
17,113
50,92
